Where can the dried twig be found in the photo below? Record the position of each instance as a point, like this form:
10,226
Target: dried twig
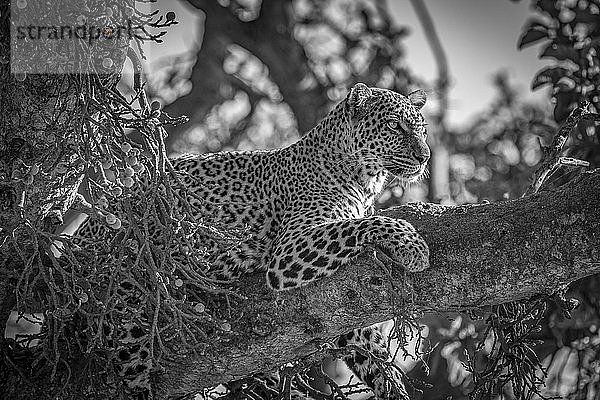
552,159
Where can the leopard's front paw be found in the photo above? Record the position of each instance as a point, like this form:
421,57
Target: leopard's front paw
419,255
411,252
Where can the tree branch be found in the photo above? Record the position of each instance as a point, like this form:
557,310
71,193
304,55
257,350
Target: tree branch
267,37
480,255
439,182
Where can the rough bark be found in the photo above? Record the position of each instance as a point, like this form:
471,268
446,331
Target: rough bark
480,255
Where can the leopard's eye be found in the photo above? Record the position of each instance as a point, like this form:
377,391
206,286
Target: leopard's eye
396,125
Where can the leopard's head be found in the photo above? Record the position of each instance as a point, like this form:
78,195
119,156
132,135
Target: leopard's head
388,130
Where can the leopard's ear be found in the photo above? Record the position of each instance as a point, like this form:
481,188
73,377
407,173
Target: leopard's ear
418,98
357,99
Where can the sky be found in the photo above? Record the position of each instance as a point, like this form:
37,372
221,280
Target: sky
480,38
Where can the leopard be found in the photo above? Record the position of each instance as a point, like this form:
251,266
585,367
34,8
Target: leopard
308,208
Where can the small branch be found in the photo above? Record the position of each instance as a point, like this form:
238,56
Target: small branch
552,159
591,116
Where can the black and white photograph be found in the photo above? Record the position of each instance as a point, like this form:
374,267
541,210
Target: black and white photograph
300,199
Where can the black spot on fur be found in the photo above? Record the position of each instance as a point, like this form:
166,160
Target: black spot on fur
351,241
321,262
311,256
344,253
273,279
140,368
134,349
137,332
288,273
334,265
303,253
334,247
309,274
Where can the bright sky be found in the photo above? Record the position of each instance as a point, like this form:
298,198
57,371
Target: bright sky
479,36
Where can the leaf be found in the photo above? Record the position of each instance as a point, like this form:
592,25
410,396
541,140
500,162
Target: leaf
560,52
550,7
585,17
549,75
565,102
534,32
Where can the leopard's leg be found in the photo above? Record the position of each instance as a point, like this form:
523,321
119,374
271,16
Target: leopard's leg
373,344
131,338
310,251
305,253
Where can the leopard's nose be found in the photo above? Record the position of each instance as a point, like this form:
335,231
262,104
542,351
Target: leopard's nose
421,157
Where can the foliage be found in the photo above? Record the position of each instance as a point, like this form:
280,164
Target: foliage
68,132
570,34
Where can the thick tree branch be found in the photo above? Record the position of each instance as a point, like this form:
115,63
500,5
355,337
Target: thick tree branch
268,38
480,255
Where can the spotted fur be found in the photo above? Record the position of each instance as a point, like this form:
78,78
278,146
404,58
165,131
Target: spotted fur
307,206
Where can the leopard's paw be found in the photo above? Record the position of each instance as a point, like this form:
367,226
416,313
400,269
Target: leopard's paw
411,253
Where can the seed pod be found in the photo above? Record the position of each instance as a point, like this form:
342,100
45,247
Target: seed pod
111,218
116,191
128,172
61,168
117,224
127,182
156,105
132,160
17,175
102,202
125,147
200,308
